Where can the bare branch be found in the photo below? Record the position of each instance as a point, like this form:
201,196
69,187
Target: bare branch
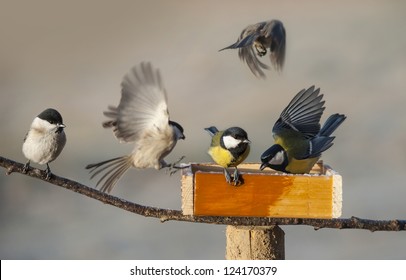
176,215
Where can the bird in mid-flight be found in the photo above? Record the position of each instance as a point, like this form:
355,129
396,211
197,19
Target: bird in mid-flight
142,118
254,41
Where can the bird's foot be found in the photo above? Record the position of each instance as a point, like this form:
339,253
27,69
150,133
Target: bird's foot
175,167
235,179
26,167
48,172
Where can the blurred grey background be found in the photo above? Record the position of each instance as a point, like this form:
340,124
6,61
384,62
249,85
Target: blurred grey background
72,55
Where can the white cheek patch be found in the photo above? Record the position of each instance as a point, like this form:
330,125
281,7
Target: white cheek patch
278,158
43,124
230,142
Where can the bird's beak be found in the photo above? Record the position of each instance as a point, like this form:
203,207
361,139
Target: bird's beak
263,166
61,125
247,141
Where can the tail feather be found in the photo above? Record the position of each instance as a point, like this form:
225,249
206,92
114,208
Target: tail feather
115,167
212,130
331,124
319,145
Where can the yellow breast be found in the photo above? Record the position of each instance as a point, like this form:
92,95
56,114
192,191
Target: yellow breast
221,156
301,166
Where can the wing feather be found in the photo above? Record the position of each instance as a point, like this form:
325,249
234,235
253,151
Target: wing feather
143,105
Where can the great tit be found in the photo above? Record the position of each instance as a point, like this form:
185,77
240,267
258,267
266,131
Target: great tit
299,141
45,140
254,41
228,149
142,117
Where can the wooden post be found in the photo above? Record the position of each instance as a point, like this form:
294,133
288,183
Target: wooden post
255,243
263,194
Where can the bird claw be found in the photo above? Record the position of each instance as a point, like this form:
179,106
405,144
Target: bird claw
173,167
261,50
234,180
26,167
48,172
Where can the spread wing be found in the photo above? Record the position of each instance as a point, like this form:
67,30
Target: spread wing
274,35
302,114
268,34
143,105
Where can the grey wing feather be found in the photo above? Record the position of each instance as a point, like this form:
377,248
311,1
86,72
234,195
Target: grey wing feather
246,51
275,30
143,104
303,113
248,55
272,35
247,36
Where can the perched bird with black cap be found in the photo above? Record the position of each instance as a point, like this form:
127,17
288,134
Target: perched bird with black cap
45,139
229,148
142,118
299,140
254,41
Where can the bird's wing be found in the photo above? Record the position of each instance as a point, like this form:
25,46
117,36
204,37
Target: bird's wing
275,32
247,36
246,52
302,114
143,105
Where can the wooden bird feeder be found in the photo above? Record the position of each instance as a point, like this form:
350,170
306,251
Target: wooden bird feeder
263,194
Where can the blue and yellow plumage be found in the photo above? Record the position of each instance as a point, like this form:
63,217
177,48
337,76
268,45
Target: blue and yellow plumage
229,148
299,140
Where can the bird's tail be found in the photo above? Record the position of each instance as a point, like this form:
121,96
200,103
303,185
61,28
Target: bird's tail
324,140
212,130
331,124
115,167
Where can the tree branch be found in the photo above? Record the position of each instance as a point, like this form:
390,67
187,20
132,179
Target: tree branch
176,215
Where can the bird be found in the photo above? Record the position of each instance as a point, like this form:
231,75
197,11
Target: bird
45,140
229,148
254,41
142,118
299,140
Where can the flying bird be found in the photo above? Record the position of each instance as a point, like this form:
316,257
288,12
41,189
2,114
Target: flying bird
254,41
142,118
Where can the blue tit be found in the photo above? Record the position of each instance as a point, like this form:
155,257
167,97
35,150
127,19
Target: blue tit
229,148
142,118
299,140
45,140
254,41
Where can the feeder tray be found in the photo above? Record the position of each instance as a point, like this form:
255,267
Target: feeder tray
264,193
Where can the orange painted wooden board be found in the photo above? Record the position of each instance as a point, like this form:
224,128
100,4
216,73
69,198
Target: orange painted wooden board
263,194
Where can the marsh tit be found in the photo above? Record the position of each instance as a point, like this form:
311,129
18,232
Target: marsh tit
299,140
142,118
45,140
229,148
254,41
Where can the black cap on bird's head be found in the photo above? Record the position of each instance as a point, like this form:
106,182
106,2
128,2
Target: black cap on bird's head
234,138
179,128
275,157
52,116
237,133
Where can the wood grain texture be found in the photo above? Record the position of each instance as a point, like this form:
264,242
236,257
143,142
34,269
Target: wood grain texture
264,194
